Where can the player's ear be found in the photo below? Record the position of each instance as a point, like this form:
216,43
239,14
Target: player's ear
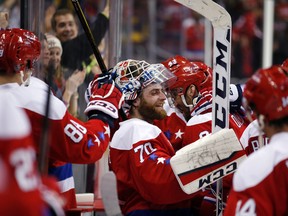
136,102
191,91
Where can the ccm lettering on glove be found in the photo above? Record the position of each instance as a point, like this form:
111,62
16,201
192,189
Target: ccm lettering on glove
104,97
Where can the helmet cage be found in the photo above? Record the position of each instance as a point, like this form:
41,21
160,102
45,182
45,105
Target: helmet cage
134,75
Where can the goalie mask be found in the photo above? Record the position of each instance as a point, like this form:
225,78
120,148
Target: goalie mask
134,75
266,92
19,50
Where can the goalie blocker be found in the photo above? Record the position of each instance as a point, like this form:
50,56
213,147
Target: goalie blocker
207,160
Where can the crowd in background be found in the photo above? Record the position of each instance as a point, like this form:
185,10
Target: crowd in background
179,30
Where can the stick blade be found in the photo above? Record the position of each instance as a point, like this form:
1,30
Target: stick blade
210,10
207,160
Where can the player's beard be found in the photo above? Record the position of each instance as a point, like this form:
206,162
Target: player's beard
151,112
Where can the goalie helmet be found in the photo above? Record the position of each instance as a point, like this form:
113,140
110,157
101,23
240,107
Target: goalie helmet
19,50
266,92
134,75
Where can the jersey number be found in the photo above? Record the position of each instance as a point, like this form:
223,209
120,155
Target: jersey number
147,148
75,131
23,160
248,209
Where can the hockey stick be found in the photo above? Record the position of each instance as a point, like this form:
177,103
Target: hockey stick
222,24
108,183
91,39
89,35
44,147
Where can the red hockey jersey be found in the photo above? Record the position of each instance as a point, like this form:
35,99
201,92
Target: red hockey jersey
173,126
199,126
140,155
250,139
70,139
260,185
20,184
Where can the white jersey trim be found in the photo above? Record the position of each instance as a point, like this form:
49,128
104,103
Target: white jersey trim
14,121
200,119
66,184
261,163
34,96
132,131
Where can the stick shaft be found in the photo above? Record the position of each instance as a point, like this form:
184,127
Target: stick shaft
89,35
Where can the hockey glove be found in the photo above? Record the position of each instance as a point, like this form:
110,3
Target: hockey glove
235,98
104,98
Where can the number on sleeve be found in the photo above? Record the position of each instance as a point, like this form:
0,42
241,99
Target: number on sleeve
75,131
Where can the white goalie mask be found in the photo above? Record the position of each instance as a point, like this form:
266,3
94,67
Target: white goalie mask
134,75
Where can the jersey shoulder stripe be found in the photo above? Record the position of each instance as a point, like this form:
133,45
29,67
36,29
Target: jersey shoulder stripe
133,131
261,163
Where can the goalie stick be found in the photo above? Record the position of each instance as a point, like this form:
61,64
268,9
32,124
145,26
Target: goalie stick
222,25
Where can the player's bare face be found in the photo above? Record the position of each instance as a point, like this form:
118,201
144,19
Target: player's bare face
66,28
152,101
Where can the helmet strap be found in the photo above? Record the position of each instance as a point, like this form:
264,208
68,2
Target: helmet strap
261,122
185,102
27,81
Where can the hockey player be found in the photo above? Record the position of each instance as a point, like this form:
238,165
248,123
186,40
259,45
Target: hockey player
260,184
173,125
179,108
22,189
70,140
139,151
192,93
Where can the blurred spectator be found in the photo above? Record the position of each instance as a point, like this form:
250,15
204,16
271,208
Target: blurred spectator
13,9
76,47
67,90
4,16
194,36
280,32
247,40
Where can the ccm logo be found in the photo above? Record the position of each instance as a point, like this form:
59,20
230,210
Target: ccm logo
221,79
103,104
217,174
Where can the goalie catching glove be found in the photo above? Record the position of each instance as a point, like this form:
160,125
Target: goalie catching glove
104,98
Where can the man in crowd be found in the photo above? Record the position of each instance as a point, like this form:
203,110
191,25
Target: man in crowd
76,47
